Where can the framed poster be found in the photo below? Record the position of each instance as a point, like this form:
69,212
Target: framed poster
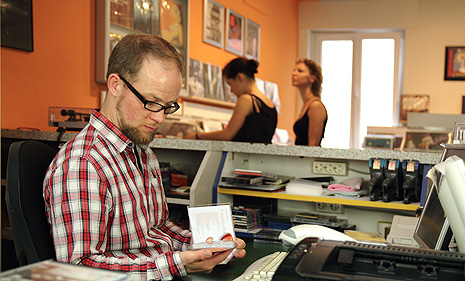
412,103
421,141
234,32
252,40
195,79
213,23
212,81
16,21
171,19
455,63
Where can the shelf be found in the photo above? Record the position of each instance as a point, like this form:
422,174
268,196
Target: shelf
206,101
360,202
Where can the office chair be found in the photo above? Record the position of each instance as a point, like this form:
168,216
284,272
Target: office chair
27,164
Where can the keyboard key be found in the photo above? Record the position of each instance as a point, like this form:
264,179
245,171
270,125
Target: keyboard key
266,269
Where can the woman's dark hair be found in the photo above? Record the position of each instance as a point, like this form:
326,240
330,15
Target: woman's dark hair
240,65
315,69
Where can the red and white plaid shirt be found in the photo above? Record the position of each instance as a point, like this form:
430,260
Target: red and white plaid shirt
106,212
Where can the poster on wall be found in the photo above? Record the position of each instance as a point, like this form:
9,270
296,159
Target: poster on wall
412,103
234,32
171,27
195,79
213,23
455,63
421,141
212,81
252,40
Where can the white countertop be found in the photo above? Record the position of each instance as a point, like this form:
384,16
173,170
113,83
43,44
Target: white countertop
254,148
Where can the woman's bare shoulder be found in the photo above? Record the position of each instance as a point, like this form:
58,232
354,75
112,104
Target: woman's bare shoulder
316,106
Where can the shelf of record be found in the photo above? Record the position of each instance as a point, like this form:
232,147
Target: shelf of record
358,202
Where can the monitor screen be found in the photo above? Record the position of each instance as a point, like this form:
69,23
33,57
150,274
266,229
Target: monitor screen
433,230
451,193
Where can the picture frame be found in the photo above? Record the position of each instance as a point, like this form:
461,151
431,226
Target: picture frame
16,25
425,141
213,23
212,81
252,40
234,32
455,63
172,28
195,82
413,103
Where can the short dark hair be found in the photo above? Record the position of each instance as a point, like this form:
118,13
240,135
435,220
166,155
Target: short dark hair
127,56
315,69
240,65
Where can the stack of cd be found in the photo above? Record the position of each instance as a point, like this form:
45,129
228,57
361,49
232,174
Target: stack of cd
246,218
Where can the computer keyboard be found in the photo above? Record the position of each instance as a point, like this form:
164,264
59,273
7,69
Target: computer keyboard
264,268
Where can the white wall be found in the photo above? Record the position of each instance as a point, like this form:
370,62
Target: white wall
430,26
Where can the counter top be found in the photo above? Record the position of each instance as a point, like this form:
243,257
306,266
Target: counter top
254,148
37,135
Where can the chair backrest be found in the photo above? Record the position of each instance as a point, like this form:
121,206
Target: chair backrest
27,164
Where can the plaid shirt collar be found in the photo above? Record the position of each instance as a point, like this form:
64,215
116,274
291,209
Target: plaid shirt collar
110,131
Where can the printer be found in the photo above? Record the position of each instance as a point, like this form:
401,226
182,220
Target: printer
315,259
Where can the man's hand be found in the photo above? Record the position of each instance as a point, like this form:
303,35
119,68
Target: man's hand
203,261
240,248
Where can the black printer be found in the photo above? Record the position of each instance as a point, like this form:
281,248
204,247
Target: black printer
314,259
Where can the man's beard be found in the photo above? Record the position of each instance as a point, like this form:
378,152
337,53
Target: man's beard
132,132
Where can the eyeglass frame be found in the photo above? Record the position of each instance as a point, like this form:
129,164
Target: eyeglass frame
174,107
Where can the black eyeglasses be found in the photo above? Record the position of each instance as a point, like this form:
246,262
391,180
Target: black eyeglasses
151,105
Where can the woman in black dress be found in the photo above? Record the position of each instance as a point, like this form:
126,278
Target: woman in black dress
310,126
254,118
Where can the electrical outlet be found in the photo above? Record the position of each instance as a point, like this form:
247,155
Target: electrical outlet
330,168
329,208
322,207
336,208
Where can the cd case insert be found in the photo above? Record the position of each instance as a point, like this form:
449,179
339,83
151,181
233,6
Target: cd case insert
212,222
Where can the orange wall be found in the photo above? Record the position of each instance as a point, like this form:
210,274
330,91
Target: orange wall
278,45
61,70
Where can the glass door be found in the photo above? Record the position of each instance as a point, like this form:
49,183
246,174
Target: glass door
361,83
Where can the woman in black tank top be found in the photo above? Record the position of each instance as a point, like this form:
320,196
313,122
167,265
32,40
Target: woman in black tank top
310,127
254,118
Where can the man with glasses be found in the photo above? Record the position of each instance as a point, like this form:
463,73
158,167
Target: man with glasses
103,192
